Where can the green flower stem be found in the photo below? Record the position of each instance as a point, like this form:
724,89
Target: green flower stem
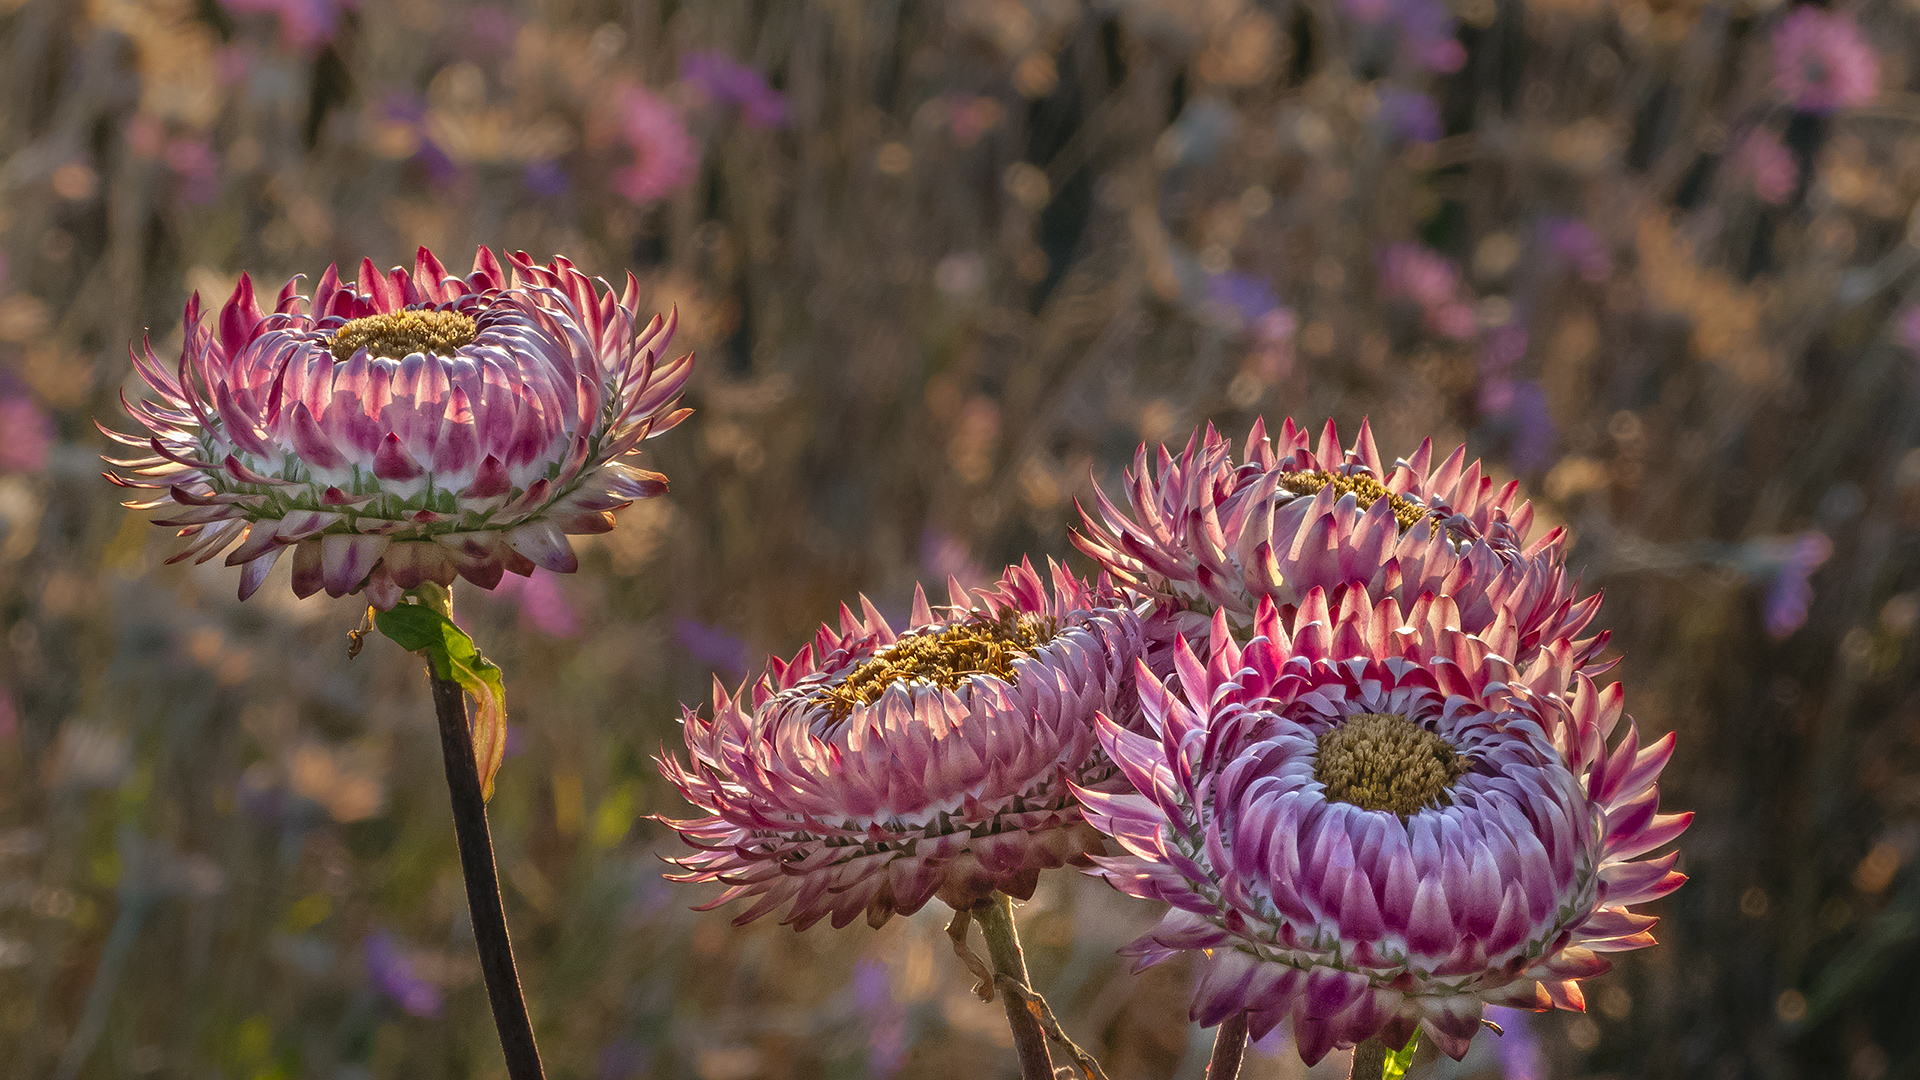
1370,1060
1229,1046
483,879
995,917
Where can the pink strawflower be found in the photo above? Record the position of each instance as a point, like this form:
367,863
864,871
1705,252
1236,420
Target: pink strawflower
878,770
1821,63
1768,166
1204,533
1368,820
664,158
405,429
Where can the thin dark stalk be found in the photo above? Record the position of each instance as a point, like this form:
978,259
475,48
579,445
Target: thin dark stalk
1229,1046
483,884
1369,1060
1003,947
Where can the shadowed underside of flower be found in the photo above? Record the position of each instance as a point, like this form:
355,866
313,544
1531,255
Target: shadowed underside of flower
878,770
405,428
1367,821
1292,516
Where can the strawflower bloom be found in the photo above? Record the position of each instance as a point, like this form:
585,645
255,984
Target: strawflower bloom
1206,533
405,428
1821,63
878,770
1367,820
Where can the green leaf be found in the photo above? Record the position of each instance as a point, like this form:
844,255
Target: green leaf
418,628
1396,1064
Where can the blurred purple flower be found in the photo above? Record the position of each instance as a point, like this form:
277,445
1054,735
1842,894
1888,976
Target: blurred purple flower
1429,37
1504,347
410,111
1792,592
26,431
1821,63
875,999
1521,1056
663,154
542,603
391,971
545,178
1768,166
193,160
1906,328
1534,432
304,24
731,82
9,716
1574,242
1249,297
625,1060
1409,115
712,646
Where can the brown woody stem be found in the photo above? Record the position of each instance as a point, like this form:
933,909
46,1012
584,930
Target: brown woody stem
1229,1046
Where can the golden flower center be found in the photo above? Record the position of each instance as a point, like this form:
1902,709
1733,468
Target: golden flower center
946,658
1383,761
398,334
1362,486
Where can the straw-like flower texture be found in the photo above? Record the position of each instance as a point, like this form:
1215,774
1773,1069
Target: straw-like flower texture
1368,820
1208,533
878,770
405,428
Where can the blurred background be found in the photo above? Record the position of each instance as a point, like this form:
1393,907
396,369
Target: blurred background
946,265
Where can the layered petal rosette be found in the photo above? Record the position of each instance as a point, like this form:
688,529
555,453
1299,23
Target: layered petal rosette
405,427
878,770
1367,820
1208,533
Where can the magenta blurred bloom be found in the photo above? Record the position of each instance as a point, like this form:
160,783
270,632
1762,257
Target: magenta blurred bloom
392,970
1369,821
406,428
731,82
1768,167
664,159
1821,63
879,770
1791,593
1209,533
1906,329
26,431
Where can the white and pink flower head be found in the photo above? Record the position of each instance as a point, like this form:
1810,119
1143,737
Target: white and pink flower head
878,770
405,428
1366,820
1208,533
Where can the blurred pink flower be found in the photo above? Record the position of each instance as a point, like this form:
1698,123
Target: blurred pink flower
26,431
543,604
1367,821
878,770
304,24
712,645
405,428
664,157
731,82
193,160
1906,328
1413,272
1768,166
1821,63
